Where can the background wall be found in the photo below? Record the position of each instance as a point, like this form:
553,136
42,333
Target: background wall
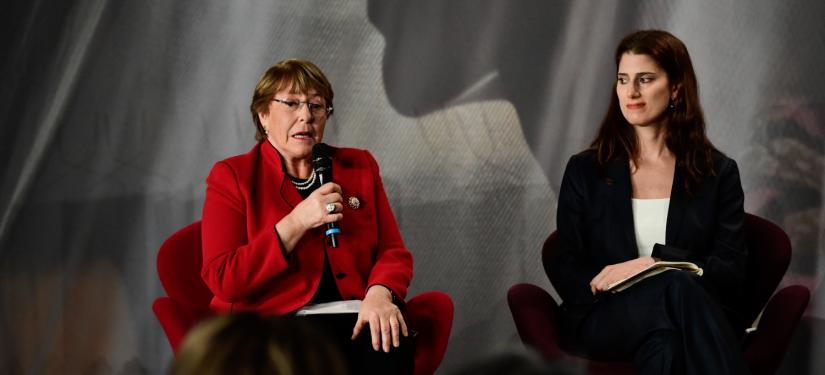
113,113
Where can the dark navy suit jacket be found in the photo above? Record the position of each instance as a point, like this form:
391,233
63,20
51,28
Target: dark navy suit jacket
595,228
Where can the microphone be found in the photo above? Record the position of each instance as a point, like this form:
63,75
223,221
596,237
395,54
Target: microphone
322,164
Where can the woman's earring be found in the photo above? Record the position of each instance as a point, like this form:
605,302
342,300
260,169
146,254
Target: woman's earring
266,131
671,105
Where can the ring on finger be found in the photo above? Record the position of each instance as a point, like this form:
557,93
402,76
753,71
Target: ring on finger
330,207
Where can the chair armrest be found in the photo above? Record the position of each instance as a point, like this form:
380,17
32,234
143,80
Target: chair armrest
431,314
176,320
535,314
766,346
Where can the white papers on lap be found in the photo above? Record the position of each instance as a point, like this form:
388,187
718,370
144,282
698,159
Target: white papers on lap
336,307
654,269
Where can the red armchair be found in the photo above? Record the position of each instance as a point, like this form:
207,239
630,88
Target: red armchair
188,298
535,311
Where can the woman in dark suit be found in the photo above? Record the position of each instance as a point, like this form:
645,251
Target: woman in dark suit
652,187
265,216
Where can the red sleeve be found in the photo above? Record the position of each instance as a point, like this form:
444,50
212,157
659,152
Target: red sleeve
235,266
393,262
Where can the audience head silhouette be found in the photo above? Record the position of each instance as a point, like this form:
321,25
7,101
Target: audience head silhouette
249,344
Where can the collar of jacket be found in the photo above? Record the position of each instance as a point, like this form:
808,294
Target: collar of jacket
272,162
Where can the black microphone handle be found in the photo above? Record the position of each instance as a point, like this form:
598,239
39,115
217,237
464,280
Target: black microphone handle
332,228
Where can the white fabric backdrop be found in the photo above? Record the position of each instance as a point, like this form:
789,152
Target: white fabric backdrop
113,112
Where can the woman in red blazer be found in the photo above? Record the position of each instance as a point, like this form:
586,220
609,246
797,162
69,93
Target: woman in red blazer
265,214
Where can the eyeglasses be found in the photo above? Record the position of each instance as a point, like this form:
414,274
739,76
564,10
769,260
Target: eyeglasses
314,108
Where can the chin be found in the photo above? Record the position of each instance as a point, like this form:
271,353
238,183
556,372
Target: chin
635,121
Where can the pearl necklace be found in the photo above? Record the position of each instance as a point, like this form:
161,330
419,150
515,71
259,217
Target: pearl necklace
306,184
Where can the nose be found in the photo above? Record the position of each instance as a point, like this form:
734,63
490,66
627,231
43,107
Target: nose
304,113
627,92
632,90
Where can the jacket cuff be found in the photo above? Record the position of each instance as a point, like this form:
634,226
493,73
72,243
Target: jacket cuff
670,253
395,299
287,256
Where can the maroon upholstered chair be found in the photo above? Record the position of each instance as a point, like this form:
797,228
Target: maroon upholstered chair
535,311
188,297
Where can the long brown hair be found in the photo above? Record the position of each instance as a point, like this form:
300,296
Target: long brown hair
684,121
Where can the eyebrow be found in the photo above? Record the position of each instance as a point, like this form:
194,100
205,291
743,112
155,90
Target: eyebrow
292,96
638,74
305,94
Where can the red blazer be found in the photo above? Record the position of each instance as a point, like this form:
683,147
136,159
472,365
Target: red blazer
243,263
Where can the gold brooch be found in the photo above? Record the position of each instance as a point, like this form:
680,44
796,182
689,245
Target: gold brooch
353,203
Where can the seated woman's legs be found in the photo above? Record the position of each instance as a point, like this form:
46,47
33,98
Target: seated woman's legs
665,324
359,354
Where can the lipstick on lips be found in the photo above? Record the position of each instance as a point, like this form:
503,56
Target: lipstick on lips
635,105
302,135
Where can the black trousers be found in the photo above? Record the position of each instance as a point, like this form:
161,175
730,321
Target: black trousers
666,324
358,353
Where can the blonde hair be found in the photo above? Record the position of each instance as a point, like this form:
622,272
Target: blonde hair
249,344
299,76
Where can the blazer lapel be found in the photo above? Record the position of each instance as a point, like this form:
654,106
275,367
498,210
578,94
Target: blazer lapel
619,171
289,193
677,207
274,165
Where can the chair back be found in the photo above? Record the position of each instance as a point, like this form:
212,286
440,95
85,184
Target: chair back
769,254
179,269
547,251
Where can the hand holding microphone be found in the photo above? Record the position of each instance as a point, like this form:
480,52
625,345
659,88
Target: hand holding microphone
322,207
311,213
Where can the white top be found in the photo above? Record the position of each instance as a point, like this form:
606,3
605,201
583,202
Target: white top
650,221
334,307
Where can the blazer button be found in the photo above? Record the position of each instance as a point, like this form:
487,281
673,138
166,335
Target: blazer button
340,275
